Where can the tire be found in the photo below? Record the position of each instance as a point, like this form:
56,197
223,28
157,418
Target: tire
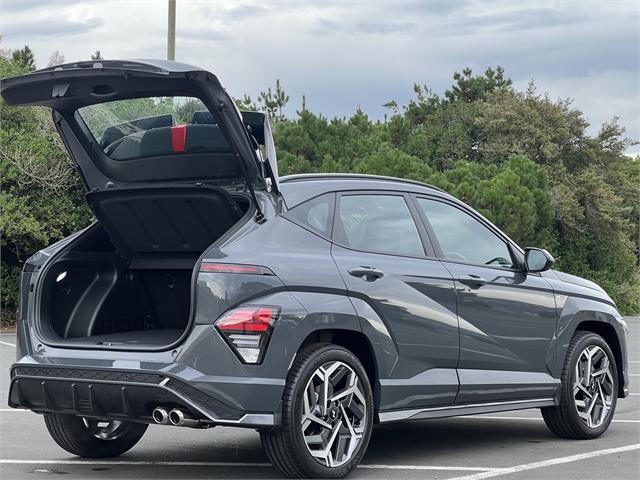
564,419
85,438
286,446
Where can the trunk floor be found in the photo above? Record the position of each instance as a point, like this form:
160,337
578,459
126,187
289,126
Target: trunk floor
149,338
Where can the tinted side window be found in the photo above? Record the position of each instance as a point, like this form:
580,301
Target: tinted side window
462,237
315,214
377,223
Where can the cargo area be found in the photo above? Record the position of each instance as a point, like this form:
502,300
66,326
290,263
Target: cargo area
126,281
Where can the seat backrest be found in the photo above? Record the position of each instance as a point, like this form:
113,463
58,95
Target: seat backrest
157,142
205,138
116,132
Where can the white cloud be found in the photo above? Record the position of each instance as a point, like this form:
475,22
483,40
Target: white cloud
344,55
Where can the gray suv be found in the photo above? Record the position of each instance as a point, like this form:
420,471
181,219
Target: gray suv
210,292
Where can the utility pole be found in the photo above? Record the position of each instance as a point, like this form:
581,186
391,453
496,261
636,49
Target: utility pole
171,31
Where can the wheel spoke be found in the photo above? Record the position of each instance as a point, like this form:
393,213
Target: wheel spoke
339,374
579,386
105,429
334,413
314,439
306,404
353,388
593,386
604,368
326,452
319,421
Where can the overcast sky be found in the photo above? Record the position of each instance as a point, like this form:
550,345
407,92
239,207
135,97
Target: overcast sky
361,53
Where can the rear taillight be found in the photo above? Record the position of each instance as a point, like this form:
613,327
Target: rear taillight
248,330
210,267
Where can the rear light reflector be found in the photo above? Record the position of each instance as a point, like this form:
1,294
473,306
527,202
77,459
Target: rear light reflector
233,268
248,330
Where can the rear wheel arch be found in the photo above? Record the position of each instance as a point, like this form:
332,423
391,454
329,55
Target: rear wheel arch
301,453
608,333
354,341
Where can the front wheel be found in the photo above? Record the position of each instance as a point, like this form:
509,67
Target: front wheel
327,415
92,438
589,390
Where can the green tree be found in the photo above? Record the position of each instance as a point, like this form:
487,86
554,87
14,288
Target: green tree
272,102
524,161
470,88
56,58
513,195
24,59
41,199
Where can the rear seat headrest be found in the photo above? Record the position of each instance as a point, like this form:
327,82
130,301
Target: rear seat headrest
203,116
116,132
201,138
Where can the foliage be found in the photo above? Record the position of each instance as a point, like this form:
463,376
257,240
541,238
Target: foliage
272,102
470,89
102,115
41,199
512,194
24,59
56,58
522,160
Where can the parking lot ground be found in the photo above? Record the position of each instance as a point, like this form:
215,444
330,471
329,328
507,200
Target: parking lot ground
511,445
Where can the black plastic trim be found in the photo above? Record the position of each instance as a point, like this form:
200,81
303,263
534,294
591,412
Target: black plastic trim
72,376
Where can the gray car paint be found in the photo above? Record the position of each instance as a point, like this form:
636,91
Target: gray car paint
439,346
315,295
506,328
416,301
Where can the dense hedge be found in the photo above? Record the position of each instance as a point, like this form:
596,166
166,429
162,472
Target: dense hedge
523,160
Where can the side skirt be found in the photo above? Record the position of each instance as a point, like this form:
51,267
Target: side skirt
459,410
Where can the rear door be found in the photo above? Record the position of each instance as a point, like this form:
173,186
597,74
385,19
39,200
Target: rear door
507,316
396,284
148,121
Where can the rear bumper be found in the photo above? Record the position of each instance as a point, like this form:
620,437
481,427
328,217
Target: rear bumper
203,376
120,394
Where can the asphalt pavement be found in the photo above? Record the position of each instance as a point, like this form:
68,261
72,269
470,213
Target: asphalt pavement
512,445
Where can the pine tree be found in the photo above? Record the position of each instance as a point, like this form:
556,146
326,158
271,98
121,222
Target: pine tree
24,58
56,58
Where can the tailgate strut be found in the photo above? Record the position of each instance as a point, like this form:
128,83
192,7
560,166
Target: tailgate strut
220,108
259,215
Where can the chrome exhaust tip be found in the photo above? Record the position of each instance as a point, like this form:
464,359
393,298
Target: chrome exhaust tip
176,417
179,419
160,416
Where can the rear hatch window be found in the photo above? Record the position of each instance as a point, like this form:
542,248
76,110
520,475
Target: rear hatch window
153,127
149,121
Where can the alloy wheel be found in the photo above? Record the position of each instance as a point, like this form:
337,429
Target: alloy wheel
593,385
105,429
334,414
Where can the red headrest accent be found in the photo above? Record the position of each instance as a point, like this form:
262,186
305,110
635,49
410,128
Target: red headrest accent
178,138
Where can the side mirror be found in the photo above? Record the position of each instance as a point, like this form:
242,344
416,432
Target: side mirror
537,259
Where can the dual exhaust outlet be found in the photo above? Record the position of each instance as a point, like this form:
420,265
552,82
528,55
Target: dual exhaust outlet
174,417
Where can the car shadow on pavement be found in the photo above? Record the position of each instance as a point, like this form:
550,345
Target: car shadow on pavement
446,442
436,441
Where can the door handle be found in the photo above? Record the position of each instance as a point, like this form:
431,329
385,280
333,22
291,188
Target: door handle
368,274
472,280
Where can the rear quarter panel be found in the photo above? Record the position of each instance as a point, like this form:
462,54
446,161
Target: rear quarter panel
307,286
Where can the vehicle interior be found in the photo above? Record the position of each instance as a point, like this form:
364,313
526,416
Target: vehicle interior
127,280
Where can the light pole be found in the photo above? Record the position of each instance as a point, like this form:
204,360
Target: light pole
171,31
